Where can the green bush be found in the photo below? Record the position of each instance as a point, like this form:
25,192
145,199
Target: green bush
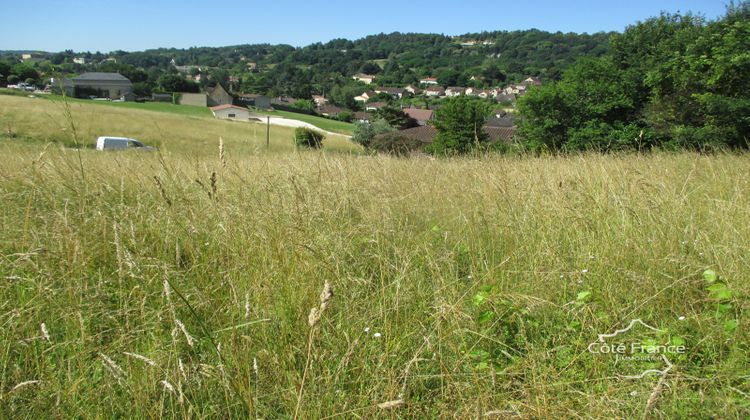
305,137
395,144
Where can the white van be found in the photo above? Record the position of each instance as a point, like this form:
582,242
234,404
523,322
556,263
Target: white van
120,143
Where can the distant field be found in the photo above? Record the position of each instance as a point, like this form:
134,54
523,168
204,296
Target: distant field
40,120
193,111
180,284
188,110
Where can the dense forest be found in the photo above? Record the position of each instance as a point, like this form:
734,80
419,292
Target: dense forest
398,59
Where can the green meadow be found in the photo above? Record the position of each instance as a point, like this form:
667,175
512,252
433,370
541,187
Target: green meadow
220,278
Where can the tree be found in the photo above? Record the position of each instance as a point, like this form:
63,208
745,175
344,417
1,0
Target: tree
365,132
175,83
304,104
369,68
493,75
580,111
24,71
396,118
460,125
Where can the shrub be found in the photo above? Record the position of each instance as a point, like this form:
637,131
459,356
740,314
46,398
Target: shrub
305,137
395,144
365,132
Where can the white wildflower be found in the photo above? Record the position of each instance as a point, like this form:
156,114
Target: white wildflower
377,335
45,333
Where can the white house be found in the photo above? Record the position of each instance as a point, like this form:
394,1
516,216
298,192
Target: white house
366,78
231,112
455,91
365,96
429,81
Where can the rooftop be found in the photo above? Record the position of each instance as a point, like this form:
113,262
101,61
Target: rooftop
97,76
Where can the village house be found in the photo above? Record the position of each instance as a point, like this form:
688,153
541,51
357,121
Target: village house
429,81
484,94
396,93
79,60
365,96
413,90
33,57
505,97
258,101
362,117
102,85
365,78
330,111
423,116
319,100
231,112
531,81
374,106
434,91
219,96
455,91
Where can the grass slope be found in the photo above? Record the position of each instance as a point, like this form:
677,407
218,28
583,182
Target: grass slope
178,285
186,110
40,120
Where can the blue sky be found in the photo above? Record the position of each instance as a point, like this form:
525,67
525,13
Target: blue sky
54,25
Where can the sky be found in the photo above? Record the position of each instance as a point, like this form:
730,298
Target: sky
136,25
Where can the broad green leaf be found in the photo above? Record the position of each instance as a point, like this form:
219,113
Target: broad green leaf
730,326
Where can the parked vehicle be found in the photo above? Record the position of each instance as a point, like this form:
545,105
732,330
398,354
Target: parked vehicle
120,143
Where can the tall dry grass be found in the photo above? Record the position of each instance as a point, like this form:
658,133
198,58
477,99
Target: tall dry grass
464,287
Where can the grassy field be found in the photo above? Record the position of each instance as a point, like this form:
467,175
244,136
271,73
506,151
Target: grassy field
185,110
181,284
333,126
37,121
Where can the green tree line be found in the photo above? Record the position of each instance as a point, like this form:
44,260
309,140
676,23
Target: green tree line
673,81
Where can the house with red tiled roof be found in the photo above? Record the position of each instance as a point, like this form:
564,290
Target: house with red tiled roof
429,81
423,116
374,106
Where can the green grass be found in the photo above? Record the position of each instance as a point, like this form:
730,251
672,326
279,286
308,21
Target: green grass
485,278
186,110
36,121
195,111
333,126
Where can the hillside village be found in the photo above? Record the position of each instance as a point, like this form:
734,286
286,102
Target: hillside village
417,101
337,79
